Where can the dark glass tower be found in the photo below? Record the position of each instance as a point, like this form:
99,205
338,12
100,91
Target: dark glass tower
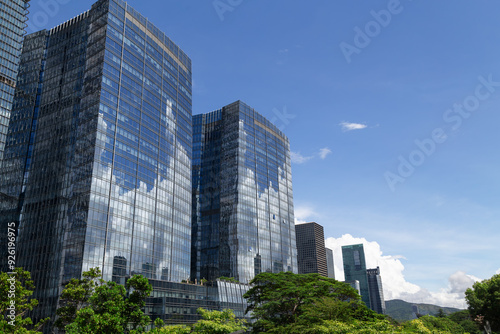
97,169
353,257
311,252
12,25
376,290
243,221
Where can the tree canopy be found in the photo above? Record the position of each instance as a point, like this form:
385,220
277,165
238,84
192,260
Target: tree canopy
16,289
484,302
76,295
212,322
283,299
91,305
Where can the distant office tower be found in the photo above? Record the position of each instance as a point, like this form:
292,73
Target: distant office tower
243,220
311,253
355,286
12,24
330,263
97,169
355,269
376,290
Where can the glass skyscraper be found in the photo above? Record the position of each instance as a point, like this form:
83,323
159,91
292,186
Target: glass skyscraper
243,221
97,168
12,25
376,290
353,257
329,263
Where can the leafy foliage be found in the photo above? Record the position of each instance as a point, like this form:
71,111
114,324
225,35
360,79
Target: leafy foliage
443,324
94,306
463,318
173,329
484,302
280,300
218,322
76,295
15,291
213,322
228,279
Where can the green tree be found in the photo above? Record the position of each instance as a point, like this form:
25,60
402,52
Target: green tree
172,329
105,307
218,322
463,318
443,324
484,302
75,296
212,322
139,289
279,300
15,292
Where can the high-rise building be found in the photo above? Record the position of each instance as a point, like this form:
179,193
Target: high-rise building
353,257
97,165
330,263
311,252
376,290
12,24
243,220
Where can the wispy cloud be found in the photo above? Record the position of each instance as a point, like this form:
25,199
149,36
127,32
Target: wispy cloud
347,126
323,153
299,158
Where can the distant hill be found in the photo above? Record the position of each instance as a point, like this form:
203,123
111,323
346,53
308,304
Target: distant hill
402,311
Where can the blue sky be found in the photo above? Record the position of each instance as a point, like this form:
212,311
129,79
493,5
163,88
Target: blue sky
354,106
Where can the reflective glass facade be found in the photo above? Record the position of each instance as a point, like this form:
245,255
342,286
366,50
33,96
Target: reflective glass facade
243,221
97,169
178,303
329,263
376,290
12,24
355,269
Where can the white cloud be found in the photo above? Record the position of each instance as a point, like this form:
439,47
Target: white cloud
323,153
460,281
304,214
346,126
393,279
299,158
497,272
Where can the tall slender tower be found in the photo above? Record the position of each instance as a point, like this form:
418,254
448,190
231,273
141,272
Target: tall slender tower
12,24
97,168
376,290
243,221
329,263
355,269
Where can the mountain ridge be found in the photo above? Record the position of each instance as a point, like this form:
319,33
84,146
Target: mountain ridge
401,310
